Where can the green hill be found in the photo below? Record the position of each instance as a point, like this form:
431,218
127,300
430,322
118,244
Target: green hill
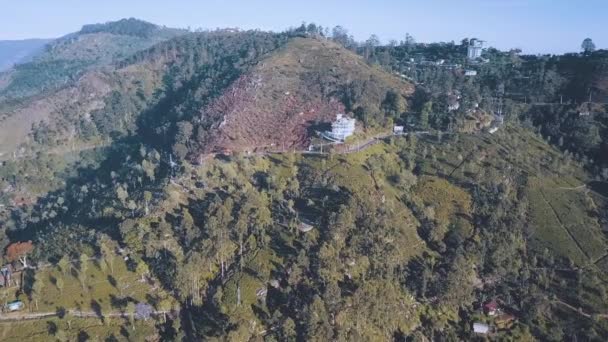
387,237
64,60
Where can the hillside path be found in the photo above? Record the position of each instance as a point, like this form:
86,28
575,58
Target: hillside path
18,316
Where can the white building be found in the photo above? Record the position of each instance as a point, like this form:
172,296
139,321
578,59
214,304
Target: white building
474,49
470,73
342,128
481,328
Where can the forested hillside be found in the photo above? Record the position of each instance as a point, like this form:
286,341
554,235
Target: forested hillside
63,60
173,190
563,97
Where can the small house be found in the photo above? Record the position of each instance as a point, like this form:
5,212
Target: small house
304,227
470,73
398,129
14,306
491,308
342,128
493,130
481,328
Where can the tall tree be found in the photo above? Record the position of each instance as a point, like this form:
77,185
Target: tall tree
19,251
588,46
82,275
425,113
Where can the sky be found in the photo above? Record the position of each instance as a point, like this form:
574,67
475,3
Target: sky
535,26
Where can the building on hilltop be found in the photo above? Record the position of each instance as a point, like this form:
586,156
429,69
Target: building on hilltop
474,49
481,328
342,128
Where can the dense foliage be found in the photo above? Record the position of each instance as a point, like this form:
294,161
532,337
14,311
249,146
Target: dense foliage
130,27
404,238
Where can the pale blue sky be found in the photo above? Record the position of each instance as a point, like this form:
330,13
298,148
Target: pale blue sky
551,26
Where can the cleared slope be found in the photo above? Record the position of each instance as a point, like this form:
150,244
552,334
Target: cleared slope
287,93
170,80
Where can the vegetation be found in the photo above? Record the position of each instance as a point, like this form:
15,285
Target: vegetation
395,238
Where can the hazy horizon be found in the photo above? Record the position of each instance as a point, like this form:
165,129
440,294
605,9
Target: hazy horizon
533,26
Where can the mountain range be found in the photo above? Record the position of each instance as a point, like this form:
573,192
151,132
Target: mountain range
162,184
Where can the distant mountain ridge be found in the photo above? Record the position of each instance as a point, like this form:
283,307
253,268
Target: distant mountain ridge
64,59
19,51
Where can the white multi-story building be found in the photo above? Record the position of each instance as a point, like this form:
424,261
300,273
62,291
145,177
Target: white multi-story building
474,49
342,128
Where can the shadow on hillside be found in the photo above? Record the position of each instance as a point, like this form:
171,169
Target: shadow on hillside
83,211
599,187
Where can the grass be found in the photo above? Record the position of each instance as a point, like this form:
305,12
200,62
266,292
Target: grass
547,230
75,329
575,212
102,290
447,199
563,220
554,213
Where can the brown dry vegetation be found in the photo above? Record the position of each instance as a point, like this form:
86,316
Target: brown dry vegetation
300,85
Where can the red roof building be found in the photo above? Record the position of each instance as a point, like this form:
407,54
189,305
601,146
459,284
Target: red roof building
491,308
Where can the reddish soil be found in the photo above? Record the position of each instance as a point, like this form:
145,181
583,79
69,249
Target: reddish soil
250,122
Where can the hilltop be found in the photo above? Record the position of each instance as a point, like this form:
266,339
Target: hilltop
406,236
63,60
306,82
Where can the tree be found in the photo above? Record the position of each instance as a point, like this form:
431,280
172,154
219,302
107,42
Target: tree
131,310
426,111
142,270
82,275
370,45
19,251
588,46
409,41
340,35
147,199
38,287
64,263
373,41
107,251
289,330
122,194
165,306
59,284
393,104
61,335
